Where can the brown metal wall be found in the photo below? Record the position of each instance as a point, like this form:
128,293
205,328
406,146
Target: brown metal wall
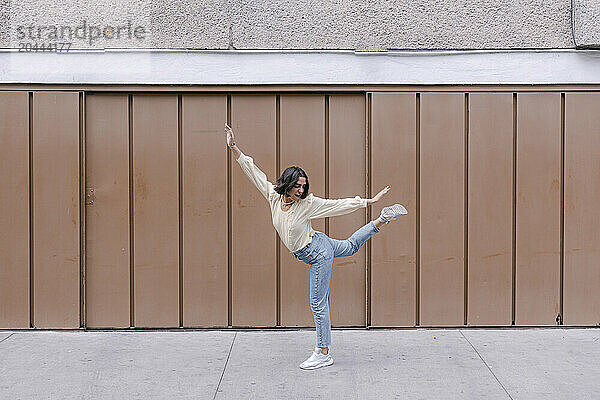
155,211
14,210
107,211
176,235
582,209
538,208
55,208
442,180
393,251
204,211
490,194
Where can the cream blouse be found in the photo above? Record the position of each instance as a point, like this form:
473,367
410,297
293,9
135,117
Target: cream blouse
293,226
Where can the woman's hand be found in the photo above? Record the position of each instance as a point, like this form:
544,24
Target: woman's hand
379,195
229,135
231,142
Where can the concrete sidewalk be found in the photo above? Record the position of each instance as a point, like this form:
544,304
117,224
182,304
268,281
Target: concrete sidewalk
550,363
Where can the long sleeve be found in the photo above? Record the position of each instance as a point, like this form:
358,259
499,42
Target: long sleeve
257,177
321,208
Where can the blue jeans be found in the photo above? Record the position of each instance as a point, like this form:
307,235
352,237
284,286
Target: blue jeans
319,254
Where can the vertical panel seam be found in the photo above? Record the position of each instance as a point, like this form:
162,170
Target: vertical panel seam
418,211
82,212
31,238
277,244
327,158
514,213
131,225
562,206
466,210
368,183
180,200
229,216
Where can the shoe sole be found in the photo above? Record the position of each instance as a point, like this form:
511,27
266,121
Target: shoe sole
327,364
398,209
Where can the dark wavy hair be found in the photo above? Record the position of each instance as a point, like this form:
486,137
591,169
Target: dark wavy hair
289,178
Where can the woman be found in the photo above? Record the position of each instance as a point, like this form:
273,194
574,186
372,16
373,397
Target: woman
292,208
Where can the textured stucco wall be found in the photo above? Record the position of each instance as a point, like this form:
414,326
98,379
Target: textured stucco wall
586,18
423,24
311,24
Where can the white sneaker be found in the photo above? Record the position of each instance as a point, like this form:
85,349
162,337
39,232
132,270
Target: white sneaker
317,360
390,213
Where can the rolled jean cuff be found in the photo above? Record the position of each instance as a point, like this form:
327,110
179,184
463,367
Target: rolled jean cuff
374,227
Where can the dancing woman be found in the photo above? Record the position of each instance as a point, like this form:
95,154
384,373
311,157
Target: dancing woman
292,208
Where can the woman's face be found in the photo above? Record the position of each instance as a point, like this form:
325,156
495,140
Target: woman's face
296,192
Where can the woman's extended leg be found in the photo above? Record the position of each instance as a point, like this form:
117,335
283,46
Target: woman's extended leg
344,248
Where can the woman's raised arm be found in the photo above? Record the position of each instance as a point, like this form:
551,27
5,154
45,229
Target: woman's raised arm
321,208
256,176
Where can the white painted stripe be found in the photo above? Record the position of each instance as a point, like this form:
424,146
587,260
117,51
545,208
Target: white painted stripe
301,67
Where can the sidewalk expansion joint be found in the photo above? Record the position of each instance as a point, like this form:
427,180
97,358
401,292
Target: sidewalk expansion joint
225,366
486,364
6,337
